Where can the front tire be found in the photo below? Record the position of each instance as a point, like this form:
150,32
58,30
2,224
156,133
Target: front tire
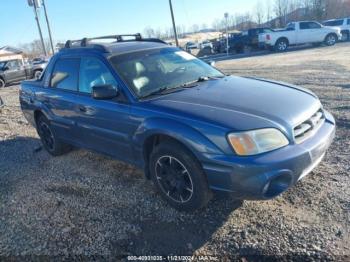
48,138
179,177
281,45
331,39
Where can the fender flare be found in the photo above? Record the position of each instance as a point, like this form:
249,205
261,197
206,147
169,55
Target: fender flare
195,141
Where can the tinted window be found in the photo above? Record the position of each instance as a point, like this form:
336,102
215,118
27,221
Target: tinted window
65,74
291,26
93,72
334,23
14,64
309,25
349,21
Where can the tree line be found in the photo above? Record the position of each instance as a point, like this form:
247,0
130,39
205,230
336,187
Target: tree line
269,13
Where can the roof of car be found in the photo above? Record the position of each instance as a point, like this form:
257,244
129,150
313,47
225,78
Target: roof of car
118,45
133,46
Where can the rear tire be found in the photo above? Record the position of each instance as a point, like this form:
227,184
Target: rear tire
331,39
49,139
281,45
2,83
179,177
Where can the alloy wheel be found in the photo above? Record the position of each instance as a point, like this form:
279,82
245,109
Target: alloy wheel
282,46
174,179
46,135
331,40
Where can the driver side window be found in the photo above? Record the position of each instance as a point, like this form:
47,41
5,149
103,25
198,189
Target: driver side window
93,73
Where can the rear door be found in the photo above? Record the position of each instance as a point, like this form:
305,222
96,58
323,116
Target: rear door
59,98
103,125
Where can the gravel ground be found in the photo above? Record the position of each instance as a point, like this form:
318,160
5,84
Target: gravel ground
87,204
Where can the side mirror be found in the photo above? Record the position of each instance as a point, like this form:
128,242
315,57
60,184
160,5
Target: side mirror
5,68
211,63
104,92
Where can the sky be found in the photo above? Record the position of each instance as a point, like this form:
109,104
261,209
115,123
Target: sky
75,19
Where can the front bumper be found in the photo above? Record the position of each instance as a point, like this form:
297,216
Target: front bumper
267,175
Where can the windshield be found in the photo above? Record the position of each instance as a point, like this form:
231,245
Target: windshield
2,64
151,70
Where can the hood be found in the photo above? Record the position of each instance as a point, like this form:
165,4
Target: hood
242,103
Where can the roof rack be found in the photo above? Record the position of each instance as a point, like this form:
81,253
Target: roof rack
85,42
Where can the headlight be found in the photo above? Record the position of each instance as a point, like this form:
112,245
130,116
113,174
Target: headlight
257,141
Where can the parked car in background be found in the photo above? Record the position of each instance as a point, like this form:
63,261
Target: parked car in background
206,44
38,60
234,42
192,129
38,67
343,24
190,45
298,33
238,42
250,38
16,70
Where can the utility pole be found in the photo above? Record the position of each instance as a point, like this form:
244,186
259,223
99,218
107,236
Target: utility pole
34,4
48,27
174,26
227,47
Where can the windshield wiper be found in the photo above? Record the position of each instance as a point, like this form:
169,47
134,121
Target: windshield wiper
200,79
161,91
167,90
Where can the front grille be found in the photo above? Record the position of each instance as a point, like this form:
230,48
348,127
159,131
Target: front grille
309,127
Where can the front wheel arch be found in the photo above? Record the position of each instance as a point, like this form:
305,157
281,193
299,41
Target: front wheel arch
153,141
2,82
331,34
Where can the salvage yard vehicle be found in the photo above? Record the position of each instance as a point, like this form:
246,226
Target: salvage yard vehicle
191,128
15,70
299,33
343,24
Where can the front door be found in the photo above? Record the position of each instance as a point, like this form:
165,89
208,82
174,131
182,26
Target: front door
103,125
310,32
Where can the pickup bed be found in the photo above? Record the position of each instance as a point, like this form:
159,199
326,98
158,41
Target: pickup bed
298,33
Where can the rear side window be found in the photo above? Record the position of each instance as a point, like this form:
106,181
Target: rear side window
93,73
334,23
65,74
309,25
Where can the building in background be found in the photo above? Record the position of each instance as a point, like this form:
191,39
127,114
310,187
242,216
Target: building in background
11,53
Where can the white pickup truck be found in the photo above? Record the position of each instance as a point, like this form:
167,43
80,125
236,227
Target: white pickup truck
343,24
297,33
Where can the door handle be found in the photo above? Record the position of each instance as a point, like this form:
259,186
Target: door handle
82,109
